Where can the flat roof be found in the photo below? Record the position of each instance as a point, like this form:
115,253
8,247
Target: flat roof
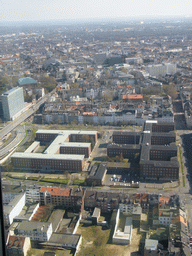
67,132
33,225
98,171
11,91
32,146
125,146
48,156
64,240
127,133
128,225
96,212
151,121
118,165
10,206
75,144
151,244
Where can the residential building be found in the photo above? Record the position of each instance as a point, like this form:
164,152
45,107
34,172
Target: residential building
68,198
18,245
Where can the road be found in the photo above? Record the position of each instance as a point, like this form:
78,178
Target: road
20,131
13,124
185,192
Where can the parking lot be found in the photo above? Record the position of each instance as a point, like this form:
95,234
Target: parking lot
119,180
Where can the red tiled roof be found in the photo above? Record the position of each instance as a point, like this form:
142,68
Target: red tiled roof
57,191
133,97
88,113
16,241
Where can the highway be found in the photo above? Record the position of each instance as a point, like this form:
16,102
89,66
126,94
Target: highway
19,137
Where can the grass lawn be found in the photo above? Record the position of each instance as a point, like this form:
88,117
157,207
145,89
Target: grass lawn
40,252
37,178
58,181
78,182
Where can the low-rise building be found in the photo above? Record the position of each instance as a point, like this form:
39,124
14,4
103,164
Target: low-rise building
123,230
18,245
97,175
67,241
39,231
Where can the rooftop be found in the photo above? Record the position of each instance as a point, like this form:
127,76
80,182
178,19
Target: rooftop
16,241
56,191
48,156
68,132
11,91
67,240
26,80
33,226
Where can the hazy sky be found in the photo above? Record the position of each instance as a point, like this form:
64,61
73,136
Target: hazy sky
19,10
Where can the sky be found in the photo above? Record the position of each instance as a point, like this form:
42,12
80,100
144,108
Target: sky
42,10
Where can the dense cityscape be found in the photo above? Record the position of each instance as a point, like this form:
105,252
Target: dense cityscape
96,141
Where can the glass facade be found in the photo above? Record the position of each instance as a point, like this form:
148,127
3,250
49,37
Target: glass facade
12,102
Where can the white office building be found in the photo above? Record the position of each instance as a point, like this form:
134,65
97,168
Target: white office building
12,103
161,69
122,233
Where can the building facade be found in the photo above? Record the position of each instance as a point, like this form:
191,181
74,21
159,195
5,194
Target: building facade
67,198
39,231
13,208
156,147
67,151
12,103
18,246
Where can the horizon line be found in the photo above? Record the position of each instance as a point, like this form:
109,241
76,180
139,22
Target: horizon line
99,19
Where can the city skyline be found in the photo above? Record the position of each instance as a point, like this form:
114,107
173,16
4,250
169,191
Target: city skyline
84,10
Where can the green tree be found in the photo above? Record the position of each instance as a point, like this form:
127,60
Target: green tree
49,83
170,90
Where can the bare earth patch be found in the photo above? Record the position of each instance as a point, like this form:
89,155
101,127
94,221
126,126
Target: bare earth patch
95,242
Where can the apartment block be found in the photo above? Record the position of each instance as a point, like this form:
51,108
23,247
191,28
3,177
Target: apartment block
68,198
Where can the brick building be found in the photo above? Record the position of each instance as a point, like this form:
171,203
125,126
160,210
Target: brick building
97,175
156,146
123,137
63,153
48,163
76,148
158,159
126,150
